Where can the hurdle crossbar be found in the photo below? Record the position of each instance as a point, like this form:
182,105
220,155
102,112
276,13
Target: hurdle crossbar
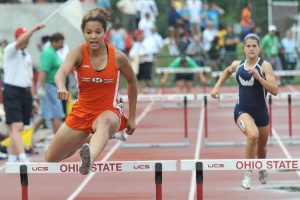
102,167
165,98
184,143
160,97
242,164
182,70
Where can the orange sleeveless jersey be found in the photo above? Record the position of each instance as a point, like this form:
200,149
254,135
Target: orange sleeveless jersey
97,92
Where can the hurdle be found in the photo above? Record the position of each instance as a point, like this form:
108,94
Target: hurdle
205,98
289,97
168,98
157,166
235,164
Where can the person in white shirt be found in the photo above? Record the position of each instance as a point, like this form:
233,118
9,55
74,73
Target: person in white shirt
290,50
142,53
18,90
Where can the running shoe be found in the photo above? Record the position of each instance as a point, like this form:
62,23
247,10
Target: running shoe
119,136
246,183
263,176
86,160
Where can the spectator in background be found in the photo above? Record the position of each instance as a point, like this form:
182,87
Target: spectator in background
118,35
270,46
194,10
196,50
184,41
3,44
146,24
173,17
213,13
51,108
208,35
129,12
106,4
290,52
43,43
246,20
142,50
230,44
18,90
157,41
147,6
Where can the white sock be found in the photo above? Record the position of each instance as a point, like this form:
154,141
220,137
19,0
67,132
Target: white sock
23,157
12,158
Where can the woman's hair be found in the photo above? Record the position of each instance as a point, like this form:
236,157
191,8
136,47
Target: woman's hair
252,36
97,14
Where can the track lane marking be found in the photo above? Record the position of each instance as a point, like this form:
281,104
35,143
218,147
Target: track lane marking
197,154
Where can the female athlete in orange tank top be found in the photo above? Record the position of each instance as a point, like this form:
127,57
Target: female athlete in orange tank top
98,66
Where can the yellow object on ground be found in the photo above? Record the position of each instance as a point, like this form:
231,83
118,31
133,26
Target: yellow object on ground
26,136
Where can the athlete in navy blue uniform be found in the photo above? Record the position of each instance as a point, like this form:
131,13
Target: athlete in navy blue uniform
255,78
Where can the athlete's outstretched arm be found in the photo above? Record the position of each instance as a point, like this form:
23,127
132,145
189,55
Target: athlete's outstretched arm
127,71
225,75
73,59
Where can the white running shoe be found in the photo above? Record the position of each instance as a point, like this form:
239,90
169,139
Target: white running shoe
246,183
119,136
263,176
86,160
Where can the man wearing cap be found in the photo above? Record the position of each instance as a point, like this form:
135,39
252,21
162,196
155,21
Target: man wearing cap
18,91
270,47
142,50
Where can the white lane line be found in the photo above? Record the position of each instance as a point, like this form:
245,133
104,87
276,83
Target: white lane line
283,148
197,154
108,155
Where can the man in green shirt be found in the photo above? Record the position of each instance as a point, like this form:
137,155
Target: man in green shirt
51,108
184,81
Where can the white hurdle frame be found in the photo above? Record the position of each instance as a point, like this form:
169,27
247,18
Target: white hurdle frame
164,97
235,164
157,166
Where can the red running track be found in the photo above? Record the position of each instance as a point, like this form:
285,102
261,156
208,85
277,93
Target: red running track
166,125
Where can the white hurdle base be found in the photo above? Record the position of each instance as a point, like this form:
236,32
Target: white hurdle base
180,105
228,143
288,140
184,143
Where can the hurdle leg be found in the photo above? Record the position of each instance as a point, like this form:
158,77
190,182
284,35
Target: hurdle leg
199,180
158,180
185,112
290,115
24,181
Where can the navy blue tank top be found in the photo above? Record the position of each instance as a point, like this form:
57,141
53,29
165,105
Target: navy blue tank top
251,93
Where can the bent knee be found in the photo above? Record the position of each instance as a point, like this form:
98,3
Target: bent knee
252,137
